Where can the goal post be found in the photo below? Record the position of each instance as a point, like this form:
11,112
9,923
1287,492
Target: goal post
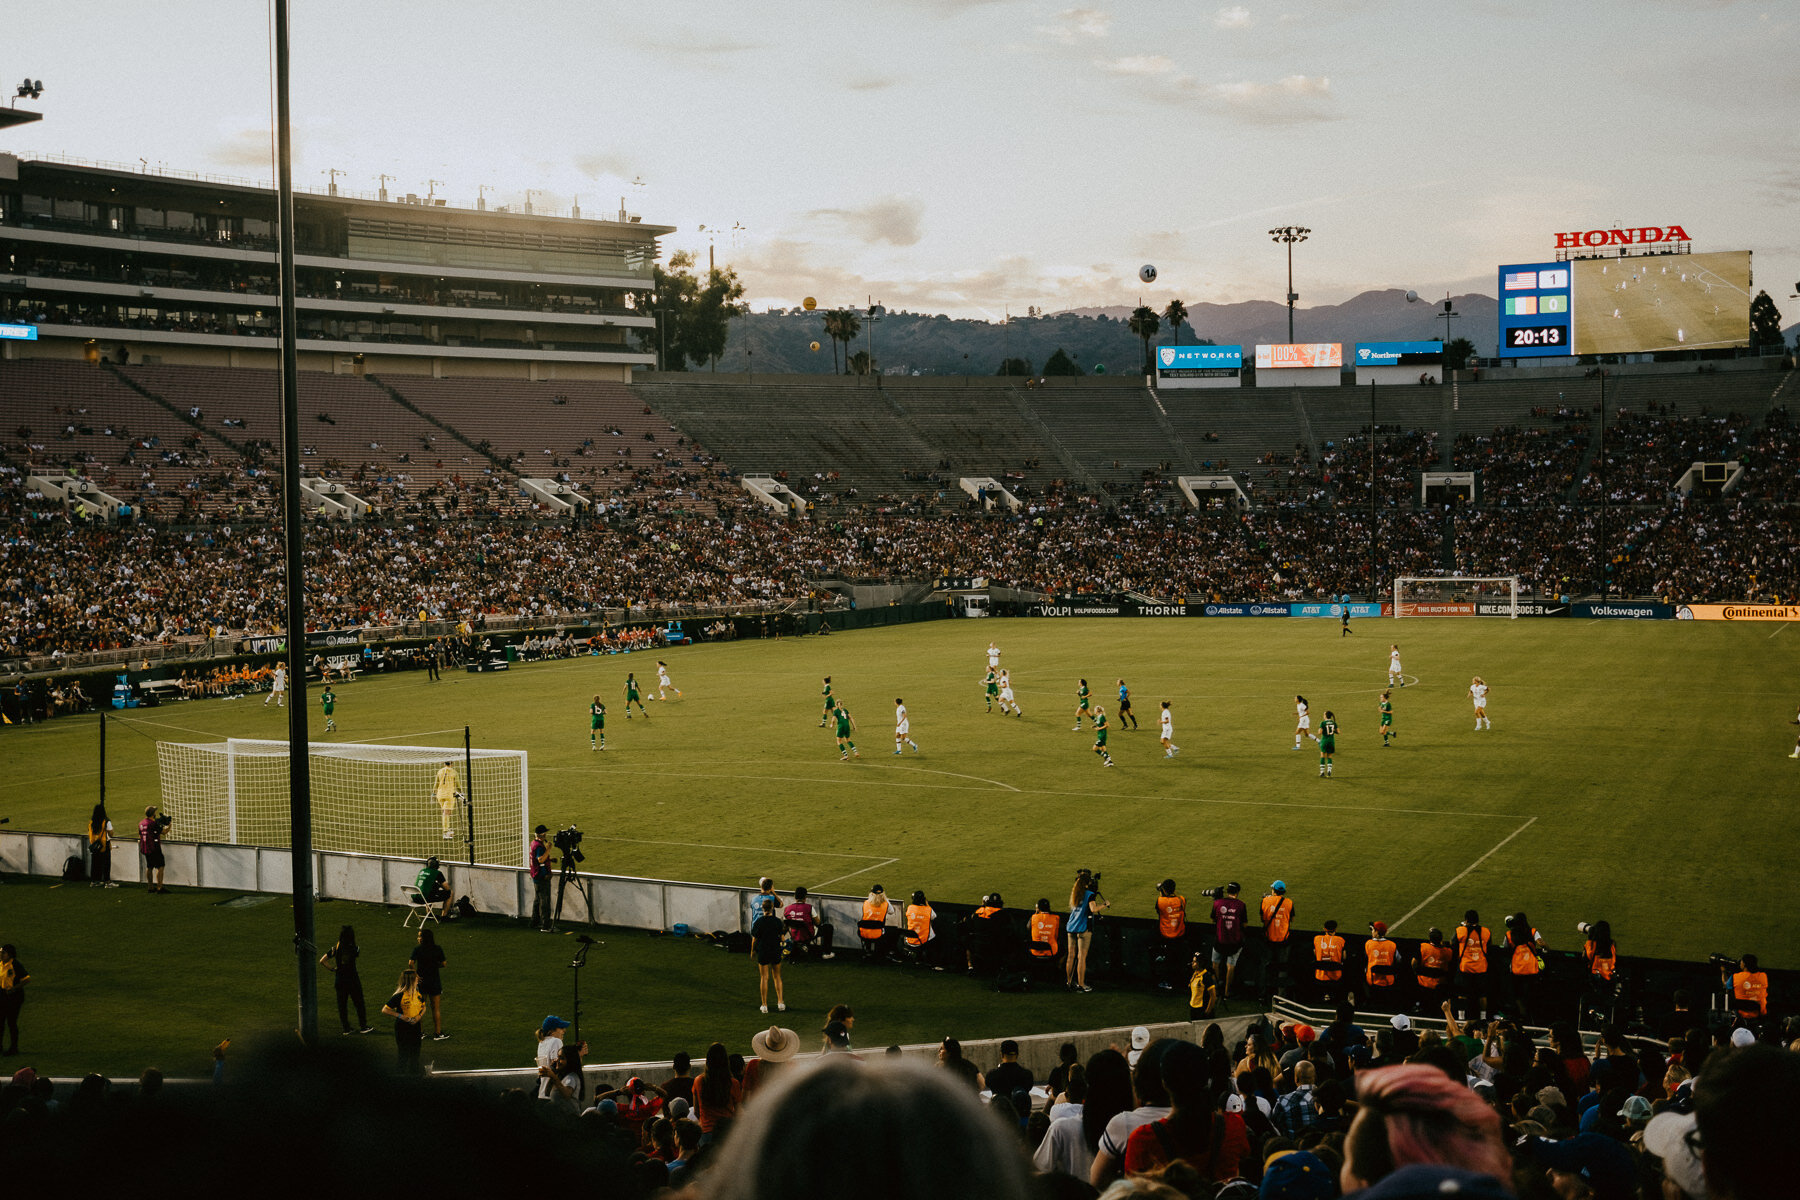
1456,596
366,798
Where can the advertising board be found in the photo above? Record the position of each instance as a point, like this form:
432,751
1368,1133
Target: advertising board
18,333
1246,609
1358,608
1099,606
1170,360
1399,354
1527,608
1622,610
1436,608
1738,612
1300,354
1662,302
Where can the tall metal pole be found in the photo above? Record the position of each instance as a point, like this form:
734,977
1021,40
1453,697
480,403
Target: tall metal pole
1290,292
469,793
1605,499
1372,592
294,530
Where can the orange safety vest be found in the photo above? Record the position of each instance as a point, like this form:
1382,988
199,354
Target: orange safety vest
873,910
1381,953
1043,929
918,924
1277,911
1171,915
1603,967
1328,952
1524,956
1434,964
1471,951
1751,991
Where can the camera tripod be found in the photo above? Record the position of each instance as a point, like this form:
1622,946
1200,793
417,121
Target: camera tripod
566,875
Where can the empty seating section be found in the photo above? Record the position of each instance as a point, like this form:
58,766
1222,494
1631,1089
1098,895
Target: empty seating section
71,418
976,431
601,436
1112,431
351,431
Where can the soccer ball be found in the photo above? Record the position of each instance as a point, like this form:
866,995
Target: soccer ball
1147,273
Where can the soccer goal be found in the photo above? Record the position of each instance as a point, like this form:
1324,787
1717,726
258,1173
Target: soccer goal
366,798
1456,596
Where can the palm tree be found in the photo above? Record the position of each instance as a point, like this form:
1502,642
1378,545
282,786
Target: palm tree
1176,314
832,319
842,325
1144,323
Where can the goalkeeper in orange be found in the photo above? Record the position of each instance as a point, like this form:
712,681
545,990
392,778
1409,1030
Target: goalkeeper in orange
446,793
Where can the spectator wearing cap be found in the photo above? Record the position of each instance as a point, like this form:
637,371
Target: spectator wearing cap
1297,1038
837,1038
637,1102
1278,929
1586,1165
1297,1175
1140,1038
550,1043
1010,1076
1636,1114
1671,1137
1406,1039
773,1047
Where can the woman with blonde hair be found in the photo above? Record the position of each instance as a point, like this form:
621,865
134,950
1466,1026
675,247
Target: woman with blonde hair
408,1008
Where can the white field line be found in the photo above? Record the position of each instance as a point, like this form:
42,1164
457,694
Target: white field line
1395,925
746,849
883,863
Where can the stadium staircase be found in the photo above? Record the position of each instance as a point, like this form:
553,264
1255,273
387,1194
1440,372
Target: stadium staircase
400,398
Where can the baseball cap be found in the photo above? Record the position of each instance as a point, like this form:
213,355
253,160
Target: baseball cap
1378,928
1603,1163
1305,1033
1140,1037
634,1085
679,1108
1401,1022
552,1024
1301,1175
542,829
1234,1103
25,1076
1742,1037
1278,886
1552,1096
1434,1181
1637,1109
838,1034
1668,1136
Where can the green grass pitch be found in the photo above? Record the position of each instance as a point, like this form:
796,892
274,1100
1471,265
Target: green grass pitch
1636,772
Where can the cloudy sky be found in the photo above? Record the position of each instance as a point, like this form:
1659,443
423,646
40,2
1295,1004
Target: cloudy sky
967,156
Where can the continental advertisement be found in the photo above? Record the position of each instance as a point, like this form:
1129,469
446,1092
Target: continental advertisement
1738,612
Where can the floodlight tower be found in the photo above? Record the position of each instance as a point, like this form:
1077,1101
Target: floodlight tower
1289,234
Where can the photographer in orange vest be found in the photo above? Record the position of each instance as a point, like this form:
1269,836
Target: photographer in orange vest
919,930
1381,955
1749,990
873,928
1171,935
1472,944
1328,964
1524,962
1045,928
1278,922
1431,968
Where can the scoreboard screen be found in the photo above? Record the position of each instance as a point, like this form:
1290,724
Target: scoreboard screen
1535,302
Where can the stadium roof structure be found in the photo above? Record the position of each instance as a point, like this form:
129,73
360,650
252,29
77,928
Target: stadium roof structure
18,116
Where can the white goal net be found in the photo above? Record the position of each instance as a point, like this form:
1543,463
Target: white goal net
366,798
1456,596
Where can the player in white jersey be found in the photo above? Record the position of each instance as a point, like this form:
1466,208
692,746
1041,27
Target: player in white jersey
1796,721
993,657
1303,721
1007,703
277,688
1170,749
902,727
1395,677
663,686
1478,692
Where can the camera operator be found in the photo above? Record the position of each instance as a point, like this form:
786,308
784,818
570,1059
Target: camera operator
1229,917
1171,934
150,835
1749,988
433,887
537,865
1085,902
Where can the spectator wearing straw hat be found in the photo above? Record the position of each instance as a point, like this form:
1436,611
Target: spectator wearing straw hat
773,1047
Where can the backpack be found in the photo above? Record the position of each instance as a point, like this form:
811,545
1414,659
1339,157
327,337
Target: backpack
74,870
465,907
1013,981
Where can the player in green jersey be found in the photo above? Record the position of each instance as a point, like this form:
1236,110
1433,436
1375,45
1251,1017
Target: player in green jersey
1100,735
1081,705
1387,717
845,723
328,701
1327,743
632,697
830,703
597,725
992,684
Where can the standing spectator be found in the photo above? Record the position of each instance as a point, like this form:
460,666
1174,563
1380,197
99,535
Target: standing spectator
766,933
340,960
429,961
537,865
567,1087
550,1043
407,1007
13,978
1228,915
150,831
716,1093
99,836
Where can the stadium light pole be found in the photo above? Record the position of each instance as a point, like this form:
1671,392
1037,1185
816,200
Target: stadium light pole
1289,234
294,534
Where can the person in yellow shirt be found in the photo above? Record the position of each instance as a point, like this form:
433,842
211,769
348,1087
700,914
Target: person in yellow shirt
13,977
446,792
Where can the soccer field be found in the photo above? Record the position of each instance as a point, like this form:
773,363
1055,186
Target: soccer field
1635,772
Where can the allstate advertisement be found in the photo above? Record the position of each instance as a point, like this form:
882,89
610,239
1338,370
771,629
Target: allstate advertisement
1246,610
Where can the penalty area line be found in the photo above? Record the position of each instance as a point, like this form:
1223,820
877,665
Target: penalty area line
1394,925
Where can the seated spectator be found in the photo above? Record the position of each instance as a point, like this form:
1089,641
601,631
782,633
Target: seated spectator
808,931
1215,1144
1412,1114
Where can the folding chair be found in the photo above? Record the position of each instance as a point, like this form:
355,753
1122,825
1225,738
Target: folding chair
417,906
